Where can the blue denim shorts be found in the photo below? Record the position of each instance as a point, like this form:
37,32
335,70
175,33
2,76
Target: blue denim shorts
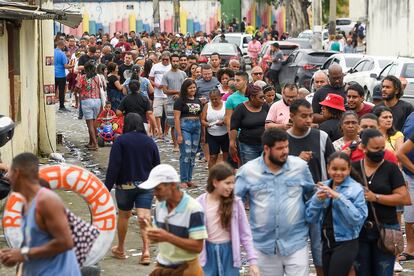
91,108
138,198
219,260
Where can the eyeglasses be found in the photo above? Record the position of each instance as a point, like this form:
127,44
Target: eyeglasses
258,73
165,59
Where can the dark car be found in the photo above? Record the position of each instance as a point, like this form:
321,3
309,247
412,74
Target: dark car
227,51
300,66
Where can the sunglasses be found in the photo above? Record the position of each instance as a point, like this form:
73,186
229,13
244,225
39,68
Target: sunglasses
259,73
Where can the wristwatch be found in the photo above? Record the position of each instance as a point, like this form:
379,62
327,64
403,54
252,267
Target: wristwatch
377,197
25,252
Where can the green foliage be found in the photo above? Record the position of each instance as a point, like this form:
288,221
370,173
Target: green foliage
342,9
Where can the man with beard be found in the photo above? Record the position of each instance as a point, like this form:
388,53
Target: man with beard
277,185
125,68
206,84
279,113
171,84
183,63
392,91
335,86
215,61
313,146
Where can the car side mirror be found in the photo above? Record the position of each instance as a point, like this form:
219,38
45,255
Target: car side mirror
350,71
373,75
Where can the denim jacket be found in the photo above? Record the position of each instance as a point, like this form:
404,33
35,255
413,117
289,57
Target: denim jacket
349,211
277,204
240,233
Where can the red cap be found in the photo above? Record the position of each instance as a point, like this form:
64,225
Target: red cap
334,101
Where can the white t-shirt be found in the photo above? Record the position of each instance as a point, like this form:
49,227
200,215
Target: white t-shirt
114,41
157,72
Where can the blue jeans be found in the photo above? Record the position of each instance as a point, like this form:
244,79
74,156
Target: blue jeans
249,152
219,260
372,261
190,130
115,97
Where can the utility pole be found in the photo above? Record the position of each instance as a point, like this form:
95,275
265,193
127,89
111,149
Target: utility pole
156,15
176,8
317,12
332,17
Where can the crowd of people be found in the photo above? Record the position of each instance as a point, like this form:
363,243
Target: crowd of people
326,167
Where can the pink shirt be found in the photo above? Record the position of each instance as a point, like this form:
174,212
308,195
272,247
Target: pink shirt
279,113
254,48
216,233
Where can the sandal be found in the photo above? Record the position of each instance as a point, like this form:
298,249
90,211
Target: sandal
93,148
183,185
145,260
116,254
406,257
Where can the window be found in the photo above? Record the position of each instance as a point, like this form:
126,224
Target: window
369,65
358,68
13,48
408,70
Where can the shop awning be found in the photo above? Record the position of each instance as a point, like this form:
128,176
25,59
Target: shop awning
15,10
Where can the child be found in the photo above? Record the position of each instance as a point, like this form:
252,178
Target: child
270,94
339,205
107,114
227,226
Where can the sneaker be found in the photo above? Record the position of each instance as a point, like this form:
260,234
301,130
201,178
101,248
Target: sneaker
64,109
398,267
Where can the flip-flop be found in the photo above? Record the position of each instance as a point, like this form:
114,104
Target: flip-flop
116,254
407,257
145,260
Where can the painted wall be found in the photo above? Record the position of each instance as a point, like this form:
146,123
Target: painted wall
114,16
390,28
30,133
357,9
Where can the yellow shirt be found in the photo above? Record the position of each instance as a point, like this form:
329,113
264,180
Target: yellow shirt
249,29
392,140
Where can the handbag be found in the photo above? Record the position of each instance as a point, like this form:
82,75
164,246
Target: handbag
390,240
83,236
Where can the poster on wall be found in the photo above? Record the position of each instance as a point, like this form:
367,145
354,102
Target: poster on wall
50,99
48,88
49,60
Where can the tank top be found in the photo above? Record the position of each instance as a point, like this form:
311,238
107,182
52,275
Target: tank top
62,264
213,116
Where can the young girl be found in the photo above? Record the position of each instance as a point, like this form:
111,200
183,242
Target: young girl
227,226
339,205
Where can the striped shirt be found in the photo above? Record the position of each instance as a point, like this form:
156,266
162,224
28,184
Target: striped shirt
186,221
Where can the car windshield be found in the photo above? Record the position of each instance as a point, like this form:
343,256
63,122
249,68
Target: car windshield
351,61
383,62
221,48
230,39
287,51
408,70
343,22
318,57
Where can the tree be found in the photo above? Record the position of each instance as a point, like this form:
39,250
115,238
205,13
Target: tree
297,17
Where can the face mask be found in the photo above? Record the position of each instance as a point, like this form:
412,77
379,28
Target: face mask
375,156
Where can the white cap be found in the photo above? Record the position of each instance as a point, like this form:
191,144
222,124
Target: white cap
157,45
163,173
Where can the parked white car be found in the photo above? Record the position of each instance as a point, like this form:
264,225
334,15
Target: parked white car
346,61
361,72
240,39
345,24
402,68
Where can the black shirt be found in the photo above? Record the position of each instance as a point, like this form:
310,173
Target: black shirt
331,127
135,103
321,146
111,82
400,112
124,72
84,59
321,94
251,124
189,108
107,58
386,178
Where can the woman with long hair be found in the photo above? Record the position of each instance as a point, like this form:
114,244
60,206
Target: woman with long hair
223,76
132,157
394,139
212,118
89,87
187,110
115,94
349,127
227,226
340,207
192,71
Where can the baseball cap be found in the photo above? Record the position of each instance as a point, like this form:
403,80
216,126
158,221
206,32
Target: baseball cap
376,94
162,173
334,101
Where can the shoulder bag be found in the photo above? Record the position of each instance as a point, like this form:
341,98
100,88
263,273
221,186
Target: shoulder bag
390,240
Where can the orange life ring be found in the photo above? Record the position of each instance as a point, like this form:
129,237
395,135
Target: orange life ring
85,184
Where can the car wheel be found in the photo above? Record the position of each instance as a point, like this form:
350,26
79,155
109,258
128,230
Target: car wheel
101,142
